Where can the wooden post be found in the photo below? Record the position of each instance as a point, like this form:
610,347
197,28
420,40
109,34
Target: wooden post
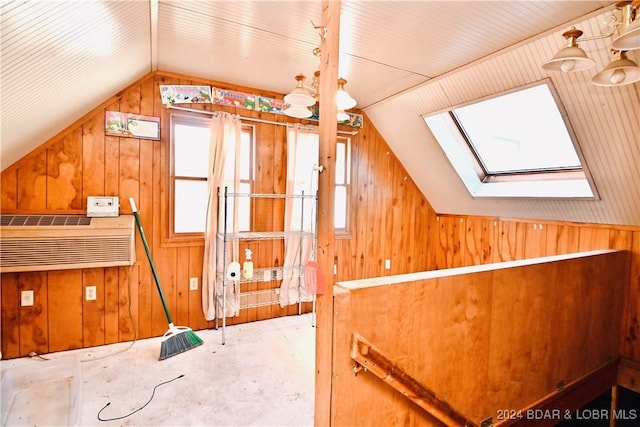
326,183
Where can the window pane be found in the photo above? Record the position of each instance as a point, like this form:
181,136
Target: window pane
190,206
340,163
340,214
245,155
513,145
245,161
191,145
520,131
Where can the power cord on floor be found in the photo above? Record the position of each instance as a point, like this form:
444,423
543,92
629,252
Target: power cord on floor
34,354
140,408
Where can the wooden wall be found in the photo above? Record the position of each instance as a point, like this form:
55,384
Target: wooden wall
483,340
81,161
390,219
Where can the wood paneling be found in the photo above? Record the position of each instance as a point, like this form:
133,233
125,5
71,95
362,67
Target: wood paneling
482,340
10,290
82,161
65,295
93,322
390,219
631,332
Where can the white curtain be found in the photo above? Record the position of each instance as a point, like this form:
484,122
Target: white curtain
299,214
226,132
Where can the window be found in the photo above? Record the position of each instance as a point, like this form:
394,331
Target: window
190,138
516,144
343,179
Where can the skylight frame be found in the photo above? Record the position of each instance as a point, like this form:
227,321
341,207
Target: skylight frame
561,182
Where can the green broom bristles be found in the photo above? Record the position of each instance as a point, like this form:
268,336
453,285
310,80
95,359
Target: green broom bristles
178,340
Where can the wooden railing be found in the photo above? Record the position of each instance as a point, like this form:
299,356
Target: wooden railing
370,359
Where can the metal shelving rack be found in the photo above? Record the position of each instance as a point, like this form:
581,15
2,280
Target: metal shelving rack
261,273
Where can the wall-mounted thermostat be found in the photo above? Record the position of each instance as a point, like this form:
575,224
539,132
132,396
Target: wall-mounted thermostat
103,206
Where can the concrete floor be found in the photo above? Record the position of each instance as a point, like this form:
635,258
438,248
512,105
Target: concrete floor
262,376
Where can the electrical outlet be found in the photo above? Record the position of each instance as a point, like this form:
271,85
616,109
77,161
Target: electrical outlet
90,293
387,264
26,298
193,283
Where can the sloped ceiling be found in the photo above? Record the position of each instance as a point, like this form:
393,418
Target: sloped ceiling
401,59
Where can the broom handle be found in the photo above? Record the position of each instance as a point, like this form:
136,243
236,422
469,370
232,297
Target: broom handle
153,267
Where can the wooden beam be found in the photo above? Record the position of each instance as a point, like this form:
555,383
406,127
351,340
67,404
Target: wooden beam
371,359
329,46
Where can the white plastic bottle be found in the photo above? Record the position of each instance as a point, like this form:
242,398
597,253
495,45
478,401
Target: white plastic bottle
247,267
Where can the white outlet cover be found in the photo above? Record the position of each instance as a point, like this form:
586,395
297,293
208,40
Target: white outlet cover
90,293
193,284
26,298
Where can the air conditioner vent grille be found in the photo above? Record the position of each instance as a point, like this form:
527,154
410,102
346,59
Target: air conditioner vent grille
45,252
61,242
37,220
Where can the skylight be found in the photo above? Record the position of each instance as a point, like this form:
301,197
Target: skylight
515,144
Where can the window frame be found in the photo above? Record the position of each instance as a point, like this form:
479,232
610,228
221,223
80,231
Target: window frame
533,183
345,232
173,237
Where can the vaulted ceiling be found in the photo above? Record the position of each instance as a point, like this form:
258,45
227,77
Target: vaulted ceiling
402,59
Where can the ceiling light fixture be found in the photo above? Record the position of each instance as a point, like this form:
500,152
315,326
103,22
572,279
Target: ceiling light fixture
571,57
621,71
342,116
343,99
629,38
302,97
298,112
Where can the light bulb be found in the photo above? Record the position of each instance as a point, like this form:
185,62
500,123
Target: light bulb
617,76
567,65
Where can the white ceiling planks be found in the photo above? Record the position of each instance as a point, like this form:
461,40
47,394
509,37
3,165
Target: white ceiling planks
60,60
606,122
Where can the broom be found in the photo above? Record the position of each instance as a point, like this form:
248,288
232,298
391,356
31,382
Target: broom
177,339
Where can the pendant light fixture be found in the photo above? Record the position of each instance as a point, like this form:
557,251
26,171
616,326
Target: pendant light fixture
620,71
629,38
571,57
301,96
342,116
344,101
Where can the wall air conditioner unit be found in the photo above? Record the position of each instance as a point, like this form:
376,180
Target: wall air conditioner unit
64,242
